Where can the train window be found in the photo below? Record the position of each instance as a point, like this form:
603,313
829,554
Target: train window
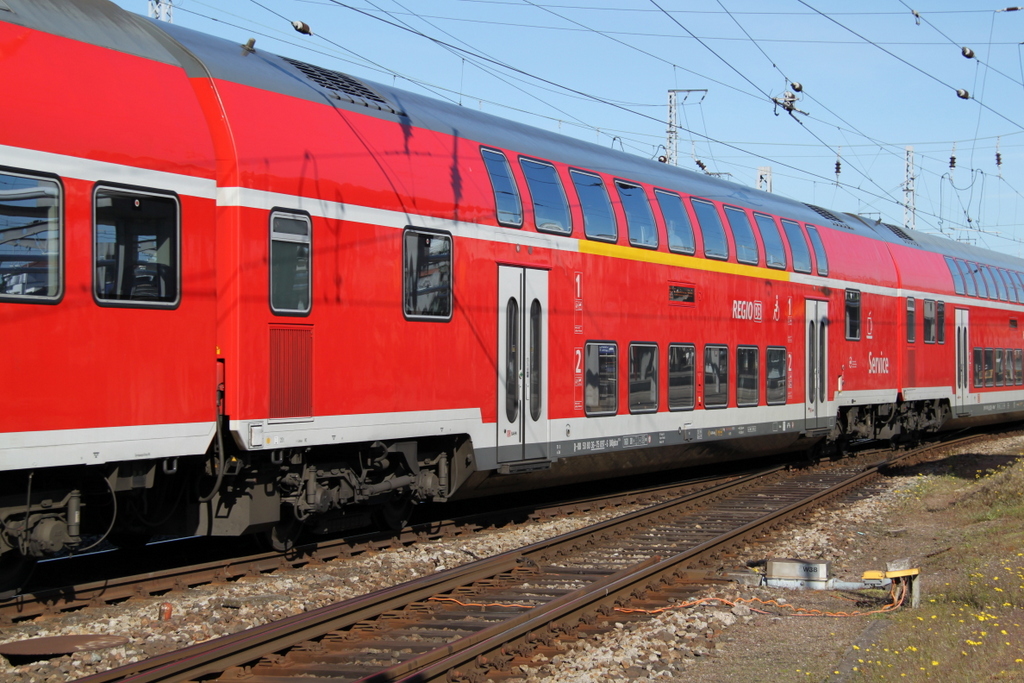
681,376
994,283
1008,369
1011,291
940,321
774,251
798,247
643,378
979,367
602,379
819,250
965,271
639,218
1018,366
30,238
775,376
507,205
958,279
677,222
427,276
716,376
999,367
290,277
537,354
1018,285
990,375
911,320
852,314
598,217
715,244
742,236
512,359
983,288
136,245
747,376
929,321
550,208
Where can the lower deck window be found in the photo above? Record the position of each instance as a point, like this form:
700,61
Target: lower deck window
135,247
716,376
775,376
643,378
681,373
602,381
747,375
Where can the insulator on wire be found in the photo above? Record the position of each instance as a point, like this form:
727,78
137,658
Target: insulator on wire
963,94
967,52
839,167
952,161
302,27
999,159
701,165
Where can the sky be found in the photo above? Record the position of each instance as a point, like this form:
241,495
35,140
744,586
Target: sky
875,77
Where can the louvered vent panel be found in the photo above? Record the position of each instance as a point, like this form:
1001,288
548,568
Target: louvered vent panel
343,84
828,215
291,372
900,232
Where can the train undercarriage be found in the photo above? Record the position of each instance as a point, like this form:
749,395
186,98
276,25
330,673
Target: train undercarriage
279,495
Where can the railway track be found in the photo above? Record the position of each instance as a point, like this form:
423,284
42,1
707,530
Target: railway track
484,619
113,589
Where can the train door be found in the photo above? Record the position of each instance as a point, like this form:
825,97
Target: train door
963,362
522,364
816,356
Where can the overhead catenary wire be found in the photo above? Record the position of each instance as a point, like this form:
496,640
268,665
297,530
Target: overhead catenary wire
637,140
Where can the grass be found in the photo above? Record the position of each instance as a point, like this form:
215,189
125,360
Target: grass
969,627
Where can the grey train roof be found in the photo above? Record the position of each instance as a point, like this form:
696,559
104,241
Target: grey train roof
102,23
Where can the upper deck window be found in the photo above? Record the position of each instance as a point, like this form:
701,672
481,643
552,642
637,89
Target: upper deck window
979,279
774,251
819,250
30,238
798,247
715,244
136,245
598,217
507,205
677,222
954,271
639,218
965,271
742,236
550,208
1011,291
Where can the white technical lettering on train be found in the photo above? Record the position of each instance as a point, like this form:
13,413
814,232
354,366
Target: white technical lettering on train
878,365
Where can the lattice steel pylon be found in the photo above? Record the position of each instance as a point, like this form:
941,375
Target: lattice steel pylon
672,142
162,10
909,211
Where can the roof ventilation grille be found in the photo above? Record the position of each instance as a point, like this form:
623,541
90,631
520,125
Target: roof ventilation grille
343,84
828,215
900,232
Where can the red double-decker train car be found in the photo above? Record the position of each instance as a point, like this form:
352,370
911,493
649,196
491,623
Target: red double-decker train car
240,293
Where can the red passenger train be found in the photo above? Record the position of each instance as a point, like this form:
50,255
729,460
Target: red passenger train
313,301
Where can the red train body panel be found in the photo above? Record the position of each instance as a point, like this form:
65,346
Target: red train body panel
313,301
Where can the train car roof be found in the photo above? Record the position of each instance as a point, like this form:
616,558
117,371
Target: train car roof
102,23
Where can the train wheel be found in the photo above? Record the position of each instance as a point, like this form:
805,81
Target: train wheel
283,536
395,513
15,570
